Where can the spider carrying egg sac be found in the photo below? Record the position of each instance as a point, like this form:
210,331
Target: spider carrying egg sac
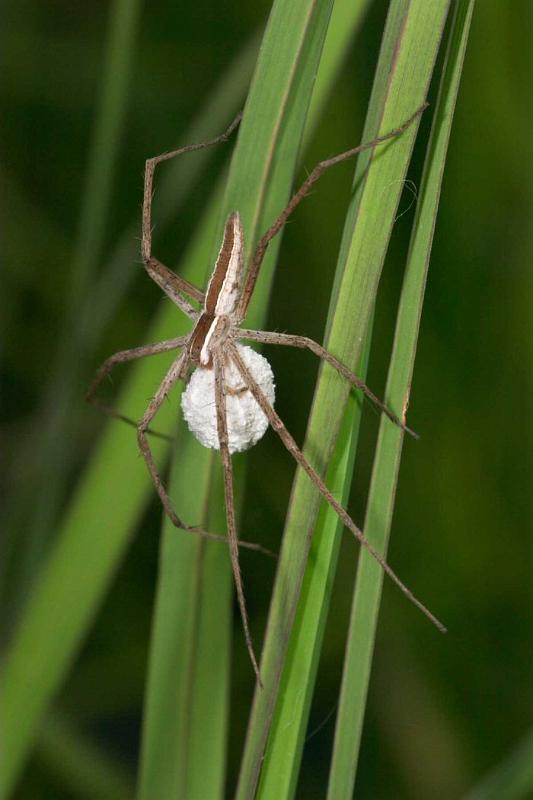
246,421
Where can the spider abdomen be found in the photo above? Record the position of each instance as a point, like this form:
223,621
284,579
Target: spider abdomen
246,421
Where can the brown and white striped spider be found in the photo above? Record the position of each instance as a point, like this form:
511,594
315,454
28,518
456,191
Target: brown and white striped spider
228,402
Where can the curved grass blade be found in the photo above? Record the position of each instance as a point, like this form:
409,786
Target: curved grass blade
96,199
346,20
400,87
386,464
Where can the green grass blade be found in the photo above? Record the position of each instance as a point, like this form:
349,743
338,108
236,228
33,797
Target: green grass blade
510,780
401,83
176,748
186,695
346,19
117,69
383,485
283,756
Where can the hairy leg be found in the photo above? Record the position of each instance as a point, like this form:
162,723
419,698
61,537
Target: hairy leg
222,428
173,286
296,199
120,358
343,515
267,337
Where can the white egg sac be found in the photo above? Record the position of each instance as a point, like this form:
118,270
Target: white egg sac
246,421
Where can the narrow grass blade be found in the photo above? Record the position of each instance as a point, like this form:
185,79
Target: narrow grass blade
384,477
282,759
184,728
178,757
510,780
346,19
409,49
117,69
96,198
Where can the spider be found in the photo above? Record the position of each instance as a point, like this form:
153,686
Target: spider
228,402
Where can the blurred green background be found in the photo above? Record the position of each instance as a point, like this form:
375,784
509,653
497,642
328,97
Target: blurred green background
443,711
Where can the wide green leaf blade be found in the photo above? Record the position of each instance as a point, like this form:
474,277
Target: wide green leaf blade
183,721
187,699
176,745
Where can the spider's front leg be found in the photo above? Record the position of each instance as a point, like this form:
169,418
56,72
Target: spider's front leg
173,285
296,199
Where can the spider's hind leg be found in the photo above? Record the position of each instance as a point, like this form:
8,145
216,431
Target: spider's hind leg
341,512
222,428
173,285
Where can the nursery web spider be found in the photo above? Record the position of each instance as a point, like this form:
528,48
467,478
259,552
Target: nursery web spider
228,402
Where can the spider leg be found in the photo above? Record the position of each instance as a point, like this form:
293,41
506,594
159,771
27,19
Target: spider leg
296,199
173,286
304,342
143,427
343,515
222,428
120,358
168,281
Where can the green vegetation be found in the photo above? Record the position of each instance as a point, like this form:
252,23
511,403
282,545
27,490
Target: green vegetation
123,658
